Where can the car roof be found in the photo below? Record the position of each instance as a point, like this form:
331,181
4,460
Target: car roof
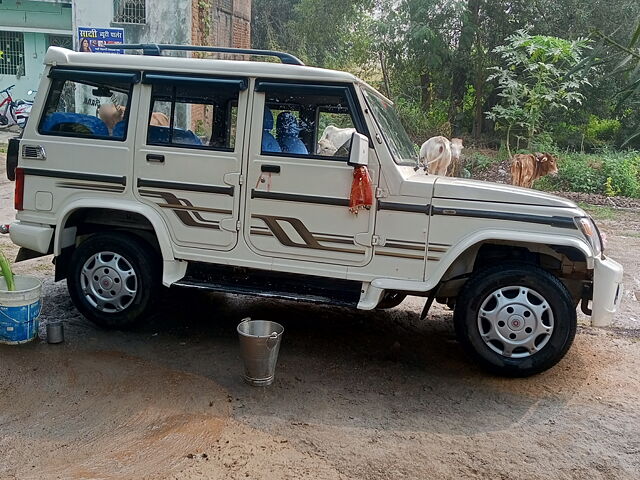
57,56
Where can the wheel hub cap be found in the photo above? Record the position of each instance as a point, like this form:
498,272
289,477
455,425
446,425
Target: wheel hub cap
109,282
515,321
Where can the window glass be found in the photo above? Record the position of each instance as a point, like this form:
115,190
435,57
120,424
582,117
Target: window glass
312,123
90,110
403,150
193,116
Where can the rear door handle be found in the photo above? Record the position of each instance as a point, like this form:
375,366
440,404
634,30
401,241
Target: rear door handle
270,168
155,158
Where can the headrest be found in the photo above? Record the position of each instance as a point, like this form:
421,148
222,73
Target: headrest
287,125
267,122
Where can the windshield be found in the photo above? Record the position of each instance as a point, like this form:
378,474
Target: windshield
402,148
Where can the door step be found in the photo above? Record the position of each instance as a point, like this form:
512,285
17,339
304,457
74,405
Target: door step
263,283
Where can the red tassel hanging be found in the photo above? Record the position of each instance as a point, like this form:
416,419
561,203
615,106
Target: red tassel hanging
361,190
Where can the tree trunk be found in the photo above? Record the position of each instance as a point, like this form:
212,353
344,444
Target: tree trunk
461,64
491,101
426,91
385,74
478,116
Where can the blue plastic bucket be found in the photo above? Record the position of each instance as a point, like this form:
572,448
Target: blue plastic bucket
20,310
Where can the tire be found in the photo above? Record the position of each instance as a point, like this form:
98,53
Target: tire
515,320
121,280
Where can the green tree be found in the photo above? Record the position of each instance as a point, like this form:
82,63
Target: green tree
536,75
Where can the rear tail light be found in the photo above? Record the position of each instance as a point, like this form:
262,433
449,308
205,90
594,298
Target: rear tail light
18,198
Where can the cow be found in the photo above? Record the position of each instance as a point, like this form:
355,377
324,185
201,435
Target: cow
326,148
526,168
333,138
456,153
437,152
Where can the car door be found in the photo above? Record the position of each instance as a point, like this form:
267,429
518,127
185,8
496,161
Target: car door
297,198
188,155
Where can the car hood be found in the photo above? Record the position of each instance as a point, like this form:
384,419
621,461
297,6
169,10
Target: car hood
476,190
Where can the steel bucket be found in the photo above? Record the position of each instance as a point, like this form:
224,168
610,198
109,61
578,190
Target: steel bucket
259,347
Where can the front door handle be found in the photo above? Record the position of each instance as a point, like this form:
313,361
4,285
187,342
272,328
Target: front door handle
152,158
270,168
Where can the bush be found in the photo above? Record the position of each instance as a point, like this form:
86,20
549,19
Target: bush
601,131
543,142
420,125
608,173
569,136
477,161
623,175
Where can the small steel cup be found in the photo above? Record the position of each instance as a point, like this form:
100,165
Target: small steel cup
55,332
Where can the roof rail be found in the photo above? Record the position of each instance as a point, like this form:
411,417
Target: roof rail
157,49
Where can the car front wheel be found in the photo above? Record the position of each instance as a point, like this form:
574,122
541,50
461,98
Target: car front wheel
515,320
113,279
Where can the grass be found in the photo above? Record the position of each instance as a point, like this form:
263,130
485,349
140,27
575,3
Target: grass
3,147
482,162
600,212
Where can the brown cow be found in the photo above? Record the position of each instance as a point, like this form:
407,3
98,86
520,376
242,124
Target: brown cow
526,168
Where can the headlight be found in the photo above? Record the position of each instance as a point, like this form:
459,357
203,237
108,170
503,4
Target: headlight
589,229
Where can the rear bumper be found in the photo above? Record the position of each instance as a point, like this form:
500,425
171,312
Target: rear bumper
33,236
607,291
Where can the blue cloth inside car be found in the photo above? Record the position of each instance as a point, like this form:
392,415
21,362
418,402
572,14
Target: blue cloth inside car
180,136
269,143
77,123
119,129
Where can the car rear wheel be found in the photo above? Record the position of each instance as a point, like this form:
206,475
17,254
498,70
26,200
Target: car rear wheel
515,320
113,279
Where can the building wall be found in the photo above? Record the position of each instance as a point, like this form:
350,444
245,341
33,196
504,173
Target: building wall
168,21
199,22
220,23
37,21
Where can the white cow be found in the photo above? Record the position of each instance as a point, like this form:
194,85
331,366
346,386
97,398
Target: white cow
437,152
333,138
326,148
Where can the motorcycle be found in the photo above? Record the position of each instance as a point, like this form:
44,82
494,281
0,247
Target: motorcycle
7,116
14,112
23,110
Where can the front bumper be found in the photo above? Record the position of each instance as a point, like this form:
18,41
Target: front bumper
607,291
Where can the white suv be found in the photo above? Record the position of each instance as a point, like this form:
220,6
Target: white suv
138,171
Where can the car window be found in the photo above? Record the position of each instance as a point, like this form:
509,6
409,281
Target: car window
87,109
307,122
193,116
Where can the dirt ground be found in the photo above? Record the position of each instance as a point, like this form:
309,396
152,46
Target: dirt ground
366,395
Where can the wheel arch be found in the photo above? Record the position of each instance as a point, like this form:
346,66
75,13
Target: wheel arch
65,235
469,246
141,211
551,252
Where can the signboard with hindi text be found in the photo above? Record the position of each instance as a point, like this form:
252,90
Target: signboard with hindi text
92,39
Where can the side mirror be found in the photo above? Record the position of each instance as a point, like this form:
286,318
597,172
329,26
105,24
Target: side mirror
359,156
